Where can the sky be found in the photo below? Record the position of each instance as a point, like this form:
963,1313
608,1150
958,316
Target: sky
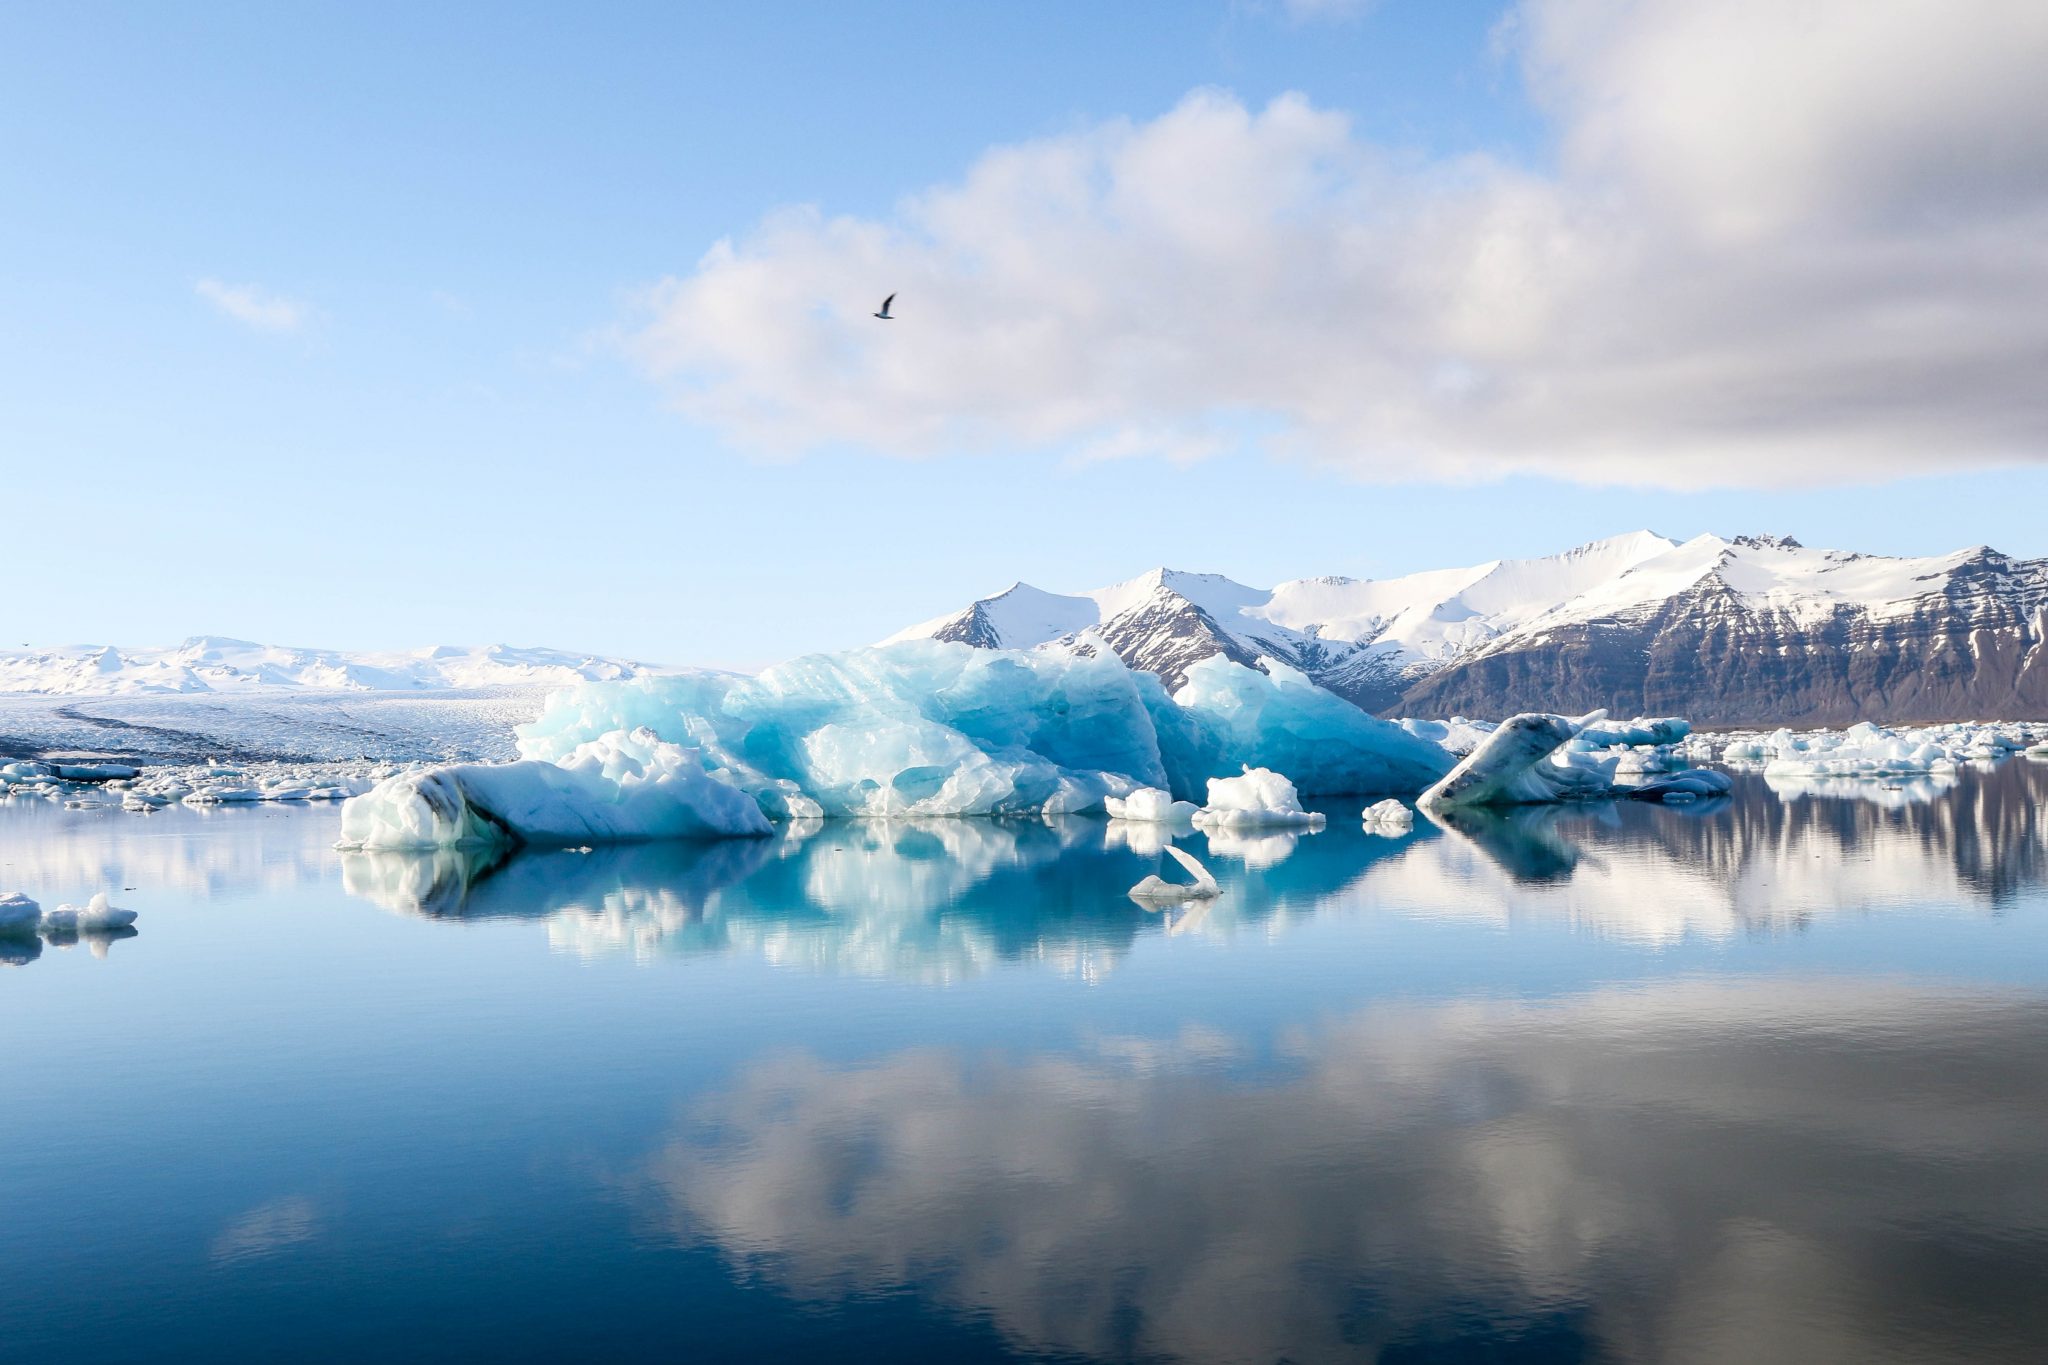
373,325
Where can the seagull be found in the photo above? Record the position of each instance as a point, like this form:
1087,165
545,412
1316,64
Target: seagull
884,314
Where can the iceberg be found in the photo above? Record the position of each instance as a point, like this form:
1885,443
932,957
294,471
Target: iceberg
1152,805
97,916
1388,817
1156,890
931,728
1261,798
1227,717
19,915
619,787
1525,762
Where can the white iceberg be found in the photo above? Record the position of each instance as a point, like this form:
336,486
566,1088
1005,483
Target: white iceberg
1525,762
1260,798
1388,817
100,916
616,788
1153,805
1157,890
1864,750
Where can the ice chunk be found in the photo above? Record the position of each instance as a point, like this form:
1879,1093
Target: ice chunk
1690,785
1521,764
1388,817
1151,804
1157,890
1606,734
18,914
99,915
1261,797
618,787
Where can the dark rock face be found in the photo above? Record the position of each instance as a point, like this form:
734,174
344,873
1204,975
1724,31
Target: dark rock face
1974,646
971,627
1166,633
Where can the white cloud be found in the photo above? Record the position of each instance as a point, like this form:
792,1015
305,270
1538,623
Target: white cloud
257,308
1784,243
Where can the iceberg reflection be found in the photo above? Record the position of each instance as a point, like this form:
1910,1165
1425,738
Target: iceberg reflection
937,900
1793,1170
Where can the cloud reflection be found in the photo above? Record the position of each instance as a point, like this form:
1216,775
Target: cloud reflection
1786,1170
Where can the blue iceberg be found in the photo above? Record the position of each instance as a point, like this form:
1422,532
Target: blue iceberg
920,728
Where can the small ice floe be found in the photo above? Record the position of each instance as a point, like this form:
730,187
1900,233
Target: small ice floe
1261,798
1692,785
1151,805
1388,817
19,916
223,796
97,916
1156,890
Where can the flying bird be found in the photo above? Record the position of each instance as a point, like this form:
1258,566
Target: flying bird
884,314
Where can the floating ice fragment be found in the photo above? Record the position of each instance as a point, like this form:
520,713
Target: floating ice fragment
1388,817
1261,797
1157,890
1150,804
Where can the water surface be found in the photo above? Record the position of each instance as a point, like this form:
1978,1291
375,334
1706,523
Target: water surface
1757,1080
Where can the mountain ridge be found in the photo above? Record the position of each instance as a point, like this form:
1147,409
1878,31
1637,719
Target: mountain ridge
1754,629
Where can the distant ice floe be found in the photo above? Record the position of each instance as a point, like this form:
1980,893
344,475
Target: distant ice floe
1526,762
1868,750
144,789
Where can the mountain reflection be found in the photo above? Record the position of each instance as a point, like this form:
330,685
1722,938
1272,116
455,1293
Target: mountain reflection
940,900
1793,1170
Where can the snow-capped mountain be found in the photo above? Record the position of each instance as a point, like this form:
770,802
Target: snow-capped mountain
212,664
1753,630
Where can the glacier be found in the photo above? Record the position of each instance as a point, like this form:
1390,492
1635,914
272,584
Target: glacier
921,728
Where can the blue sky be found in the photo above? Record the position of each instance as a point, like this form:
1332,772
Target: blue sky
327,325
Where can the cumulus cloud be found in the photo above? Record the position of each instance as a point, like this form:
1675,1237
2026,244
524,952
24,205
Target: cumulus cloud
1778,244
253,307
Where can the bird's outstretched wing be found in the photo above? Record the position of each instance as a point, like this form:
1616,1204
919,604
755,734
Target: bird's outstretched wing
886,302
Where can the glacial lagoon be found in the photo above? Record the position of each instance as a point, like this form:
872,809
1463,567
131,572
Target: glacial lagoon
1763,1078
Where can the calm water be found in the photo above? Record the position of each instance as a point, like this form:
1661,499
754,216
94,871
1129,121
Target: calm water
1762,1081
